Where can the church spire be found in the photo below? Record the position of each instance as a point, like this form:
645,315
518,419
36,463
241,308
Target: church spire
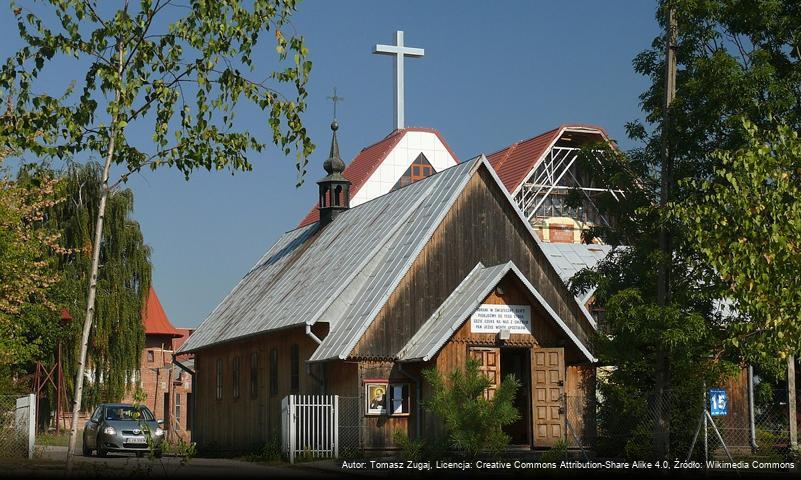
334,187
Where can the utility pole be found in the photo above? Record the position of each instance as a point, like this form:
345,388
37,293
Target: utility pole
661,406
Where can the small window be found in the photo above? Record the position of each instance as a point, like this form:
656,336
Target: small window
177,407
294,373
273,371
254,374
151,357
399,399
219,379
236,373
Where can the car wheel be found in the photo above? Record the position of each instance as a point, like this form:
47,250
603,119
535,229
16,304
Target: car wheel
87,452
101,452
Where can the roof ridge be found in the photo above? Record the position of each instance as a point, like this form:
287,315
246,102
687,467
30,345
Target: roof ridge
373,252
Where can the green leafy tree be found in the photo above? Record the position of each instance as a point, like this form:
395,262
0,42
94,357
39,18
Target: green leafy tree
28,271
736,58
746,222
178,71
473,422
123,283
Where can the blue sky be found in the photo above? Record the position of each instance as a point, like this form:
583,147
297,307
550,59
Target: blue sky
493,73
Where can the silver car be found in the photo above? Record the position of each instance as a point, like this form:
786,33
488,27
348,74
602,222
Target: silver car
122,427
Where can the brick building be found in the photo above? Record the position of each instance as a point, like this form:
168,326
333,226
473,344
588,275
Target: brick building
167,387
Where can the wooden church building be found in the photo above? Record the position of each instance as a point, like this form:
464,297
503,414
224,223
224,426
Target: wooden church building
360,299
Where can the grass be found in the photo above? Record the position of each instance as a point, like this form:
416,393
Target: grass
51,439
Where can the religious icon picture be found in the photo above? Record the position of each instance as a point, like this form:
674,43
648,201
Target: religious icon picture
376,395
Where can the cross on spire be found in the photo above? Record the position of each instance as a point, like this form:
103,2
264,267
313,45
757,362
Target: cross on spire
399,50
335,98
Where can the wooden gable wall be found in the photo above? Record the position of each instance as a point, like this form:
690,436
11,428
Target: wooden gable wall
481,226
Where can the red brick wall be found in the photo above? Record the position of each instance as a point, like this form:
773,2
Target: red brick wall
159,376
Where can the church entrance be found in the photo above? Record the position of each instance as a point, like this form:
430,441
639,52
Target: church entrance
516,361
539,400
548,366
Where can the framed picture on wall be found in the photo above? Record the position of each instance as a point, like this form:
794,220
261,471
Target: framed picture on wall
376,396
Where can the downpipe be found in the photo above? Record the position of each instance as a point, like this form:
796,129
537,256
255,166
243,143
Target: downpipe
418,397
320,380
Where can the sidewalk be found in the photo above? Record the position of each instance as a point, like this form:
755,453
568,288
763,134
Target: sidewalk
51,461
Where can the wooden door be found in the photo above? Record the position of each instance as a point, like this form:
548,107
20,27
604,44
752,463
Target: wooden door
489,359
548,385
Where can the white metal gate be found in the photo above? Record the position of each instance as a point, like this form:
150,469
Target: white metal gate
309,426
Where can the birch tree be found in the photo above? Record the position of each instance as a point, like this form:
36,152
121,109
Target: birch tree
178,69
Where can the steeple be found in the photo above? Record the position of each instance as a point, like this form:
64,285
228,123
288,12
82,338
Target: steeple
334,188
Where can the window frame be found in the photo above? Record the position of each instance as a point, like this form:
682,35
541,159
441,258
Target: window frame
219,379
274,371
254,374
236,371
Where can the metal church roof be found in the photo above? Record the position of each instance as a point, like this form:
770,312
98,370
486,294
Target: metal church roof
569,258
464,300
341,274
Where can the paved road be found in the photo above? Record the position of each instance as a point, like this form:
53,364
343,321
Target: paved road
52,461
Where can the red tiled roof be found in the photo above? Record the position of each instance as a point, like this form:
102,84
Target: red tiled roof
155,319
364,164
514,162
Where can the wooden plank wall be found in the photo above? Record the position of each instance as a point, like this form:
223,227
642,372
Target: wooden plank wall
736,425
454,354
249,421
481,226
378,431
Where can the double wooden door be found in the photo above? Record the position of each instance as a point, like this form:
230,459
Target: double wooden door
548,386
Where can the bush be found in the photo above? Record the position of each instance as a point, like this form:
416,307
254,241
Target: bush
268,452
557,453
474,423
410,449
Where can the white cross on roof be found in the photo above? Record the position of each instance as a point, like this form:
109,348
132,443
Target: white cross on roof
399,50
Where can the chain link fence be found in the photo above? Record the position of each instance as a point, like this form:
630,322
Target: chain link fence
350,427
16,426
625,427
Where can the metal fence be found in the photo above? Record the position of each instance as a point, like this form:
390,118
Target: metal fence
350,426
309,426
17,423
616,427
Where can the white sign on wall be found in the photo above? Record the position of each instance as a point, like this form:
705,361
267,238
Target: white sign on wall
493,318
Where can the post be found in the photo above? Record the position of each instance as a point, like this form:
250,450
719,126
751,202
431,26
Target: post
791,406
662,380
335,421
706,432
751,423
25,422
292,428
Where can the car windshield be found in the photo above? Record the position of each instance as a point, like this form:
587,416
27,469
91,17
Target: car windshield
128,413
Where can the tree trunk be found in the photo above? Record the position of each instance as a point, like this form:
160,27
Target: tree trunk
662,380
90,301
